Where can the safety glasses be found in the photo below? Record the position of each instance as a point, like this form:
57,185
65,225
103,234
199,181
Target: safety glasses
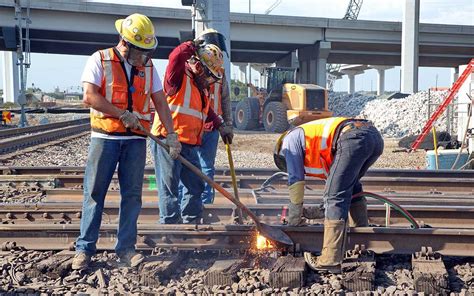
138,56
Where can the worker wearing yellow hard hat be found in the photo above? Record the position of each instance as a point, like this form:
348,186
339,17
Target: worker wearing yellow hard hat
120,84
138,32
339,150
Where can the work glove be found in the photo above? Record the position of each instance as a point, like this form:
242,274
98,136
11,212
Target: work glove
295,207
130,120
174,144
227,133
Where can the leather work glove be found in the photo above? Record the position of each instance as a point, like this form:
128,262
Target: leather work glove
295,207
314,212
174,144
130,120
227,133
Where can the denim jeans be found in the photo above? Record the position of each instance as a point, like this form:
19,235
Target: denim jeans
357,150
104,155
207,157
169,172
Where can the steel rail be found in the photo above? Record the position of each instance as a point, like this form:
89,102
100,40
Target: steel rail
70,213
381,184
263,172
12,144
451,242
40,128
277,197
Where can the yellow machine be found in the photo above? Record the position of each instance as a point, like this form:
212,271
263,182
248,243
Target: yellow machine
282,104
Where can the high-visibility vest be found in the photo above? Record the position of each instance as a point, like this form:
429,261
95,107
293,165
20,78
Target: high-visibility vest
319,136
215,92
116,89
188,111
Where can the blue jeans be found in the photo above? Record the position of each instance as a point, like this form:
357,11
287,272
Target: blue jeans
104,155
207,157
169,172
357,150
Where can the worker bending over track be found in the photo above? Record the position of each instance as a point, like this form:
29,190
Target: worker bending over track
118,84
340,151
190,72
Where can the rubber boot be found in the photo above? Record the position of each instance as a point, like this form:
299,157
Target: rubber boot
314,212
333,248
295,207
358,214
295,213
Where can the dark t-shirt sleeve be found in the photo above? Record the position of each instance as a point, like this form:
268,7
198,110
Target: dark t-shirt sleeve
176,66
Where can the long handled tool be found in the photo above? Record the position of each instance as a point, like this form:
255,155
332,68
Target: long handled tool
272,233
236,213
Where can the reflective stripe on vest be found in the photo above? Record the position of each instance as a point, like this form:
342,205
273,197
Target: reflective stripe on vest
216,97
319,136
115,89
187,111
186,107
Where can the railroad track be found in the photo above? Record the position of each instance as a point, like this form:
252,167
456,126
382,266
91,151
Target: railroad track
15,132
11,144
459,217
381,240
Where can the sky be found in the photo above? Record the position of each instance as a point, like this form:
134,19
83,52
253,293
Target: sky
48,70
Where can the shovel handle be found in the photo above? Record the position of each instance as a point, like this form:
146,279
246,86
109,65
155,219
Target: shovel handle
206,178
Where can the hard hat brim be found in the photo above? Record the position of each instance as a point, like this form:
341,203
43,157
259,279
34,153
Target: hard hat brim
118,25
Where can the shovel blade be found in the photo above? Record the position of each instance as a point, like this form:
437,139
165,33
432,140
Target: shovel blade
274,234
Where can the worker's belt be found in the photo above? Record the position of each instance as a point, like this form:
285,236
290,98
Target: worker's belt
350,125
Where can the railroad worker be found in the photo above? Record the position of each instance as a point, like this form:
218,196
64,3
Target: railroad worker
220,103
190,71
339,150
118,84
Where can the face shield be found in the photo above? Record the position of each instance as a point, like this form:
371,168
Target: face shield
137,56
214,38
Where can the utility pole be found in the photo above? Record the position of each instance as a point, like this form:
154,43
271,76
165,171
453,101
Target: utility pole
23,55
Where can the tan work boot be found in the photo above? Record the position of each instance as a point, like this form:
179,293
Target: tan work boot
131,259
295,213
332,252
358,214
80,261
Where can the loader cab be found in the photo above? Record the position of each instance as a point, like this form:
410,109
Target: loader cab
276,78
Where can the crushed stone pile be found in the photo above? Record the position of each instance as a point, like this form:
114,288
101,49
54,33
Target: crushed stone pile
393,118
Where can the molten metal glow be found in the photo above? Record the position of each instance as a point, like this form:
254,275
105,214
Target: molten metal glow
263,243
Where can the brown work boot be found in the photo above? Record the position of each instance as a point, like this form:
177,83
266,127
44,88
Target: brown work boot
358,214
131,259
332,252
80,261
295,213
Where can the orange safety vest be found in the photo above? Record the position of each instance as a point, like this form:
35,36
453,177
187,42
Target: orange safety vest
216,97
115,89
188,113
319,136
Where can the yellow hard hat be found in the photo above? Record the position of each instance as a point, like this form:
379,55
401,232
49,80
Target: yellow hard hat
138,30
279,159
211,56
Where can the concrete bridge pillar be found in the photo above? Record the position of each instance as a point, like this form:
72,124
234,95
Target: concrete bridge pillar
215,14
313,60
290,60
380,78
11,79
410,26
351,74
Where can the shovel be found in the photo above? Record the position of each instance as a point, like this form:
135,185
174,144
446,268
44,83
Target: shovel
237,215
271,233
